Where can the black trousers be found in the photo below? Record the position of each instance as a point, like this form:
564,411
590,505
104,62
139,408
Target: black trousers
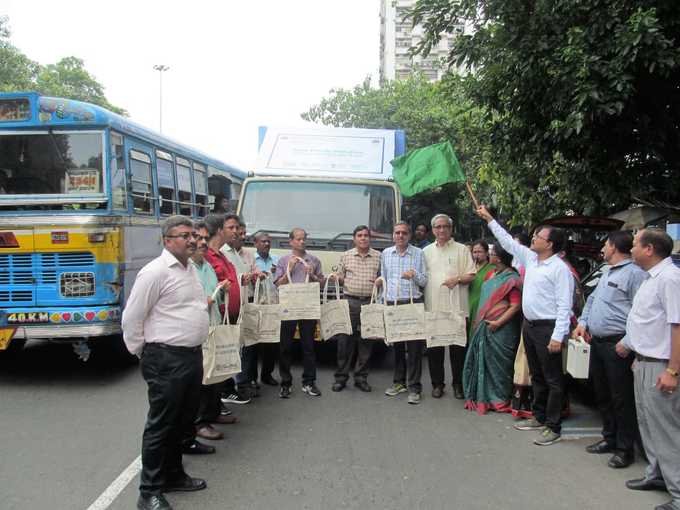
547,379
268,354
435,359
307,329
352,348
614,391
173,376
208,405
408,364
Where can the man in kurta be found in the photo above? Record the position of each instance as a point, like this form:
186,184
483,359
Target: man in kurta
450,269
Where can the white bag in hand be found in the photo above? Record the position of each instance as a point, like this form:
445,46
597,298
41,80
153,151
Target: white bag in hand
299,301
261,321
446,327
372,315
222,349
404,322
578,358
335,318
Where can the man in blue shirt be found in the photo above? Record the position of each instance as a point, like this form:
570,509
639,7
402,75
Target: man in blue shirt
405,264
603,324
266,263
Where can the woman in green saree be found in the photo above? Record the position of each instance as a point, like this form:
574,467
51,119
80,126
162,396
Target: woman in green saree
480,254
487,376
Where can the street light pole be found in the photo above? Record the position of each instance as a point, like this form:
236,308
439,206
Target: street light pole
160,68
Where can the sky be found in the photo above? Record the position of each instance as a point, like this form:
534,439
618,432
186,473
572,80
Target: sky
234,64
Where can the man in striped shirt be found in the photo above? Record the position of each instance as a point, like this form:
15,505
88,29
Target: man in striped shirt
358,270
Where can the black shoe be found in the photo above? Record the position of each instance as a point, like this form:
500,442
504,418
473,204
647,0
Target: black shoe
197,448
186,484
641,484
269,380
255,388
284,392
458,391
363,386
437,392
154,502
338,386
621,459
600,447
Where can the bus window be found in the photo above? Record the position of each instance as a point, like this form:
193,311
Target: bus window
166,182
118,180
184,186
201,190
140,182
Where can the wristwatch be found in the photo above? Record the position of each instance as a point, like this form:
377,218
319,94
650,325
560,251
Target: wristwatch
671,371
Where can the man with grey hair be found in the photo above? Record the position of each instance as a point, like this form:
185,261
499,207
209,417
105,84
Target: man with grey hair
653,334
450,269
165,322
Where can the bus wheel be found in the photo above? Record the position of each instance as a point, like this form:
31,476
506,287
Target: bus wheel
14,349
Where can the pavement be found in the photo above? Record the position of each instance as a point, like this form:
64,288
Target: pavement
68,429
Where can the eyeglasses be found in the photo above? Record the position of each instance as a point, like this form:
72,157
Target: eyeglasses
400,233
202,238
439,227
536,236
184,235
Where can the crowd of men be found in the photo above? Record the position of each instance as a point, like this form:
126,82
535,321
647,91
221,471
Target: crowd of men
632,321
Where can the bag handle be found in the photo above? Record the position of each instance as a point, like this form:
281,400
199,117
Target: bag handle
304,263
410,289
452,308
225,316
375,293
256,292
337,288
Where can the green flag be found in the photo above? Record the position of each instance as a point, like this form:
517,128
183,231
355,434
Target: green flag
422,169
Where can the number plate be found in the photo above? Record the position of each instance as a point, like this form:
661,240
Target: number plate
28,318
6,335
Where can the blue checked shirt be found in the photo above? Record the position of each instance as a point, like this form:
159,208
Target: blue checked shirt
393,265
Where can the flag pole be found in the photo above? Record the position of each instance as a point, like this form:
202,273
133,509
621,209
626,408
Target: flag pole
472,194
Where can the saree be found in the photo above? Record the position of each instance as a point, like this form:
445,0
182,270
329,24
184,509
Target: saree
475,289
490,360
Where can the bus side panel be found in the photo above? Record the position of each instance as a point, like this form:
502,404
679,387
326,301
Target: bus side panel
142,243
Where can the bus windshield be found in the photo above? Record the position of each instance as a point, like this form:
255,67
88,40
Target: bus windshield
51,164
323,209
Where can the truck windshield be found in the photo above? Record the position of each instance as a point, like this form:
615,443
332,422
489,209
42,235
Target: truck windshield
51,164
323,209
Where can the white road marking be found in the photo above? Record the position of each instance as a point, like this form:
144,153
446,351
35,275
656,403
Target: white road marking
117,486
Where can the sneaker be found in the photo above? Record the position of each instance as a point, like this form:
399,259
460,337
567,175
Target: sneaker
284,392
236,398
395,390
547,437
311,390
530,424
414,398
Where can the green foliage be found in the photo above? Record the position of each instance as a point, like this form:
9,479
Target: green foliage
67,78
429,113
583,97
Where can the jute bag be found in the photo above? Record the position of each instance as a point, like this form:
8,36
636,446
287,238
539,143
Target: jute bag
404,322
522,377
299,300
261,321
335,313
578,358
372,315
446,327
222,349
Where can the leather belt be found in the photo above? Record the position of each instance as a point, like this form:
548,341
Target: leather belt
640,357
540,322
613,339
175,348
361,298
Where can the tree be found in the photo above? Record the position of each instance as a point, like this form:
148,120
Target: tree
67,78
429,113
583,97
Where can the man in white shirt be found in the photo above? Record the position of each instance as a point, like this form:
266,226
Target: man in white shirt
547,298
165,321
450,269
653,333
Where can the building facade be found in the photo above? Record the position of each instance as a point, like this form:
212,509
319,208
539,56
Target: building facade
397,36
